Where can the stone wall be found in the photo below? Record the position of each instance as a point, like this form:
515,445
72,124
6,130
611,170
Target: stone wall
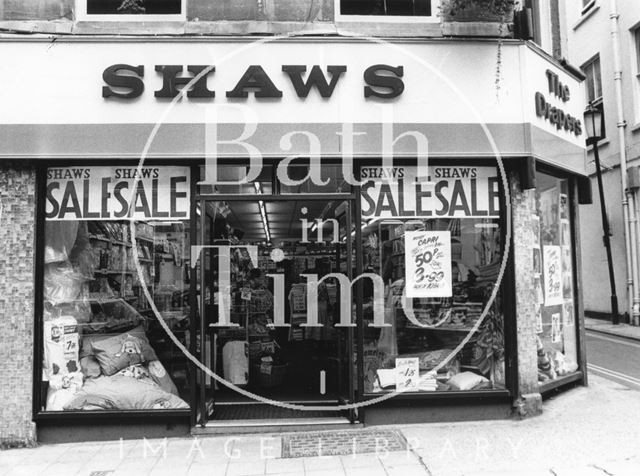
36,9
523,207
17,223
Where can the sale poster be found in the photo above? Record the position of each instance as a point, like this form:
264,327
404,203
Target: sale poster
118,193
428,263
407,374
454,192
552,266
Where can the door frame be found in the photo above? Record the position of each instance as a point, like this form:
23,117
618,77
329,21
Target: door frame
199,400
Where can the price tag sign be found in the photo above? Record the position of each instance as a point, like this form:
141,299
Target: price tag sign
245,294
428,263
552,265
407,374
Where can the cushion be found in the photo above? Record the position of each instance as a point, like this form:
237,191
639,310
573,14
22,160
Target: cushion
160,376
466,381
118,352
87,340
90,366
123,393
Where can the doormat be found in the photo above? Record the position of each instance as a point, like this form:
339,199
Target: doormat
265,412
345,442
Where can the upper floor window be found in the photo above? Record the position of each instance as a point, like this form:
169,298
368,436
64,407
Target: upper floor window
390,8
587,5
593,82
636,38
119,10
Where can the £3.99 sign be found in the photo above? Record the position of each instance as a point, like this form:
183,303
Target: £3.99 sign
428,263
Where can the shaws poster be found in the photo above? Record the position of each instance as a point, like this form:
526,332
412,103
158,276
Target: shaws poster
112,193
449,192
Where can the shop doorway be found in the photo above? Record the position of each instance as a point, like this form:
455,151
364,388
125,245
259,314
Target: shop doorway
255,330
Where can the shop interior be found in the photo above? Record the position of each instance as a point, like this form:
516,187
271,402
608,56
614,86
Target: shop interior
293,363
104,346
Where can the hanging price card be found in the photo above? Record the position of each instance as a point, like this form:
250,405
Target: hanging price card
428,263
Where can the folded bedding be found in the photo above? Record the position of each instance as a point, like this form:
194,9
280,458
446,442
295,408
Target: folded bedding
123,392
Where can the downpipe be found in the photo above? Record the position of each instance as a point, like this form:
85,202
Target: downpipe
628,213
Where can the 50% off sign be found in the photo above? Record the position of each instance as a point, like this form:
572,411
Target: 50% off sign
428,263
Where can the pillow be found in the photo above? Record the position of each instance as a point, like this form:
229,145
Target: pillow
89,339
118,352
161,377
90,366
123,393
466,381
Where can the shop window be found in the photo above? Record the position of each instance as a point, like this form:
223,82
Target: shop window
593,84
390,8
553,278
439,261
103,346
120,10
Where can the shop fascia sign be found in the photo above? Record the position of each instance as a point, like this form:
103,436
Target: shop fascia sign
556,116
126,81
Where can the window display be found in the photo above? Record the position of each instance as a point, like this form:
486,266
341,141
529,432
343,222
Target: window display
104,348
436,242
464,265
553,275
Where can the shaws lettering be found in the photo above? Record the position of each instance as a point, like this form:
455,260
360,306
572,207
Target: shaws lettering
127,82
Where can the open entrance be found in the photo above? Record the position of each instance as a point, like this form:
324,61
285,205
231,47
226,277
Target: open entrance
260,330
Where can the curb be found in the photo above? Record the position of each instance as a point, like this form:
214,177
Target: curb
613,334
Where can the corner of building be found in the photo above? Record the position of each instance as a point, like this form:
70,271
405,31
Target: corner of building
17,219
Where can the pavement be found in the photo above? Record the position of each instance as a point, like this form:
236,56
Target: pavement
583,431
605,327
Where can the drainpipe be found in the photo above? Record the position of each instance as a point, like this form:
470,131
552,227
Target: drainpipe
629,215
635,317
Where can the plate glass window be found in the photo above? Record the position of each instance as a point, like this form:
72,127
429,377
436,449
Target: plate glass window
103,345
438,257
552,254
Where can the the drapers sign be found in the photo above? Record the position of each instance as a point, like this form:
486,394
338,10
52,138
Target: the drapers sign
556,116
127,81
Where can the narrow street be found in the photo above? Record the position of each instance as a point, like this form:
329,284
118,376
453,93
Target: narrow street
614,358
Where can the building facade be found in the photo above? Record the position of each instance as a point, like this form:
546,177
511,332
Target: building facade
603,39
303,213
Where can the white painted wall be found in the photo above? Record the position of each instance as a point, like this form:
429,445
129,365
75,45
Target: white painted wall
588,35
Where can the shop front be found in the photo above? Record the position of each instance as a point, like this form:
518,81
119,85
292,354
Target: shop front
311,233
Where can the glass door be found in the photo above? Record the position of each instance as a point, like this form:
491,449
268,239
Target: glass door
271,292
